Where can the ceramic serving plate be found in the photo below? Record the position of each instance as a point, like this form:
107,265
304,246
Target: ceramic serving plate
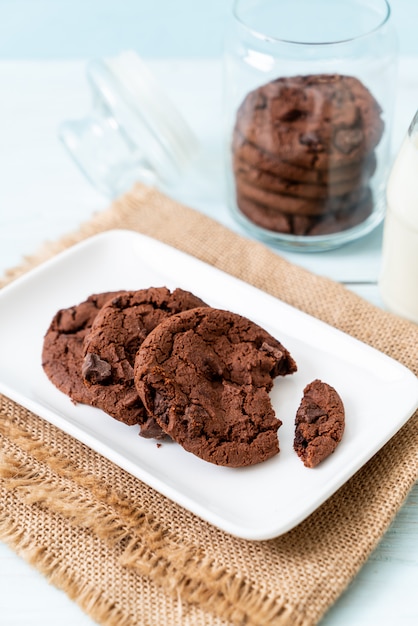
258,502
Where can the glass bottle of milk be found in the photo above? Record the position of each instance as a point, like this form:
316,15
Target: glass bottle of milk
399,272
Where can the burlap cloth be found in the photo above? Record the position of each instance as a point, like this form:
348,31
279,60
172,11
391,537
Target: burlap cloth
129,556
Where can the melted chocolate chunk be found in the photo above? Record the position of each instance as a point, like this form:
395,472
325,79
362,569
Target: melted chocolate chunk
95,370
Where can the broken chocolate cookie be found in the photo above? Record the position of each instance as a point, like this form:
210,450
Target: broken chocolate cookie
205,376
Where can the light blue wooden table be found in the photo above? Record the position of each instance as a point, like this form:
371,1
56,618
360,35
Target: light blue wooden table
43,48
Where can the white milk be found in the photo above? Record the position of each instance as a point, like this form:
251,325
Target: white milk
399,274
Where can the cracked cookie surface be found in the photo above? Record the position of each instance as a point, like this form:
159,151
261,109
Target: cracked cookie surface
111,345
205,375
62,351
318,121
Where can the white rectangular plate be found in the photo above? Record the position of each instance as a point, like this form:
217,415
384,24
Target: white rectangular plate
258,502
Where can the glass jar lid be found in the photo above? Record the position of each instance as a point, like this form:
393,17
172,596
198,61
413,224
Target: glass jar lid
133,133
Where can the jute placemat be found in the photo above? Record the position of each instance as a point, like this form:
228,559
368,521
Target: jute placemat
130,557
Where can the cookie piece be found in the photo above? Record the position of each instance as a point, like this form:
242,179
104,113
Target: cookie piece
111,345
320,421
62,351
316,121
243,150
205,376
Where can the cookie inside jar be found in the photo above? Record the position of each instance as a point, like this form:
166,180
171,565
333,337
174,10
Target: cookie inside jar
304,154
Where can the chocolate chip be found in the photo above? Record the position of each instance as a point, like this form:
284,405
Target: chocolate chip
312,140
212,368
347,140
151,430
94,369
293,115
274,351
312,413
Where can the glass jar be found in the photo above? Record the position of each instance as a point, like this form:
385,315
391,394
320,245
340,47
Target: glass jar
309,90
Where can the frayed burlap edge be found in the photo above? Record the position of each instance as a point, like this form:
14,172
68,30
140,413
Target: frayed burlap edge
48,481
58,574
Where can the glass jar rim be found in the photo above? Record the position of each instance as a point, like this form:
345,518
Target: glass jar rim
413,127
274,39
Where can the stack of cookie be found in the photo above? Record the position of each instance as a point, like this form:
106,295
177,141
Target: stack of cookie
173,365
304,153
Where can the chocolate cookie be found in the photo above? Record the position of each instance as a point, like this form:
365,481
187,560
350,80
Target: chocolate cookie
316,121
293,224
338,221
245,151
205,376
298,205
111,345
311,191
62,352
266,217
320,421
